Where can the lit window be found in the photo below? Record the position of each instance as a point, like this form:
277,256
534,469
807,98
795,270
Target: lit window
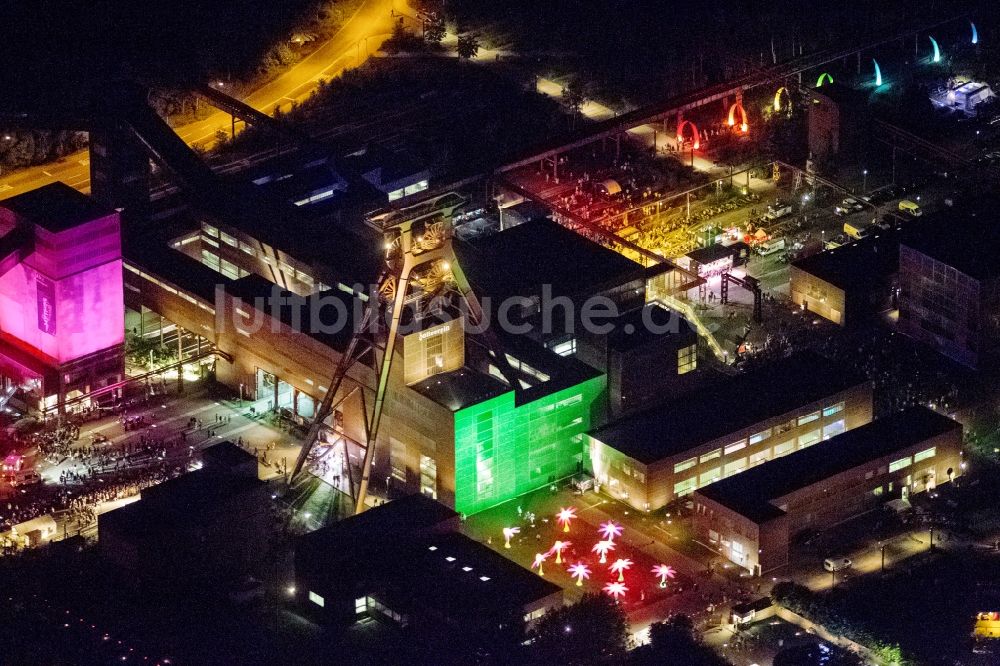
320,601
685,487
567,348
809,438
735,466
687,359
484,578
710,476
732,448
687,464
760,436
360,605
711,455
833,409
925,454
784,448
808,418
897,465
833,429
878,492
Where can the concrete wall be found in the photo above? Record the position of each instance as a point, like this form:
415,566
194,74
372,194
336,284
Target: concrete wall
815,295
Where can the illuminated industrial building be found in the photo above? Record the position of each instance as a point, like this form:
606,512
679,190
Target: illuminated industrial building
650,458
455,427
61,314
849,284
751,517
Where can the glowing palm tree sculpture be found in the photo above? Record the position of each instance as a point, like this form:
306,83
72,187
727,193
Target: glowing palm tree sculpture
602,548
580,571
508,533
610,530
620,566
616,590
663,572
558,547
539,561
565,516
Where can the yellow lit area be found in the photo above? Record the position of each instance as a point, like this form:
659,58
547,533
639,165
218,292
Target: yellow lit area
987,625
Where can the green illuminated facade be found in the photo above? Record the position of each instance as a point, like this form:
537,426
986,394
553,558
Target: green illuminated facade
503,450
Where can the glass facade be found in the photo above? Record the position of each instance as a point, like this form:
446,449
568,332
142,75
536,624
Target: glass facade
503,450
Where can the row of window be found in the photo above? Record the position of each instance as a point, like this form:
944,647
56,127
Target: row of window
408,190
905,462
738,465
756,438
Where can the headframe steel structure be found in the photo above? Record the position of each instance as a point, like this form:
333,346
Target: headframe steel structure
413,247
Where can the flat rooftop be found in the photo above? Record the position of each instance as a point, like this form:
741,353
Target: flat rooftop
56,207
407,550
971,245
751,493
458,577
185,500
729,405
371,528
460,388
518,261
651,322
861,264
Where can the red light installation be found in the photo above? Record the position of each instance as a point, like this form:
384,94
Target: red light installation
731,121
565,516
696,142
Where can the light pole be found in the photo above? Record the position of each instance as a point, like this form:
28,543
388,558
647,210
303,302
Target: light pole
864,186
882,548
932,538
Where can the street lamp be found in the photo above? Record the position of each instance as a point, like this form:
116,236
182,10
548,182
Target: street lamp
864,185
881,546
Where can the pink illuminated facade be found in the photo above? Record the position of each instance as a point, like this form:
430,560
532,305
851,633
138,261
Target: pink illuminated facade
61,298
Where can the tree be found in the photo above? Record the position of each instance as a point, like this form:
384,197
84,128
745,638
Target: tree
673,643
574,96
435,30
594,630
468,45
815,655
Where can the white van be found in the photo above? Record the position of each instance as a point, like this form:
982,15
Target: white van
836,563
772,246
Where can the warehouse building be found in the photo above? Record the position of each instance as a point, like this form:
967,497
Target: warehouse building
750,518
650,458
405,564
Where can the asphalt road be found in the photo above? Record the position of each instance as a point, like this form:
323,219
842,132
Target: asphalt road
361,35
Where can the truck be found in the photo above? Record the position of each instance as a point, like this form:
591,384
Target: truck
778,210
856,230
